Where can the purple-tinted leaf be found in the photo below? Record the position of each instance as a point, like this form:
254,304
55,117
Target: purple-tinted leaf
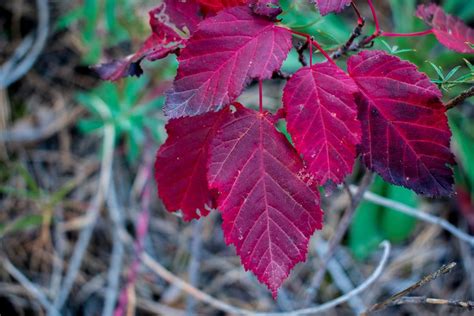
214,6
269,211
223,56
449,30
181,164
405,133
328,6
322,120
172,23
269,8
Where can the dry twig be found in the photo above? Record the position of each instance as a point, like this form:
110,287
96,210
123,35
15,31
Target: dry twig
92,214
29,286
460,98
339,234
28,51
400,207
141,227
430,277
434,301
118,250
193,269
157,268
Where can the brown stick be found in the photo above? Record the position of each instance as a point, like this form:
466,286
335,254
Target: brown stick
348,46
339,234
430,277
460,98
434,301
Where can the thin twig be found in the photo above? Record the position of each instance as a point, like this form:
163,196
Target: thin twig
344,298
156,308
281,75
313,42
29,286
141,228
91,217
300,49
400,207
118,250
348,46
27,53
340,278
161,271
204,297
61,122
193,269
339,234
430,277
460,98
58,259
434,301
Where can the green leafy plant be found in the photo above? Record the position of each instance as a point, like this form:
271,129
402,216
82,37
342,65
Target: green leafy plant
92,15
123,106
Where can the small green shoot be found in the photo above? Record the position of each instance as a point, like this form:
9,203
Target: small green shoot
395,49
125,111
446,82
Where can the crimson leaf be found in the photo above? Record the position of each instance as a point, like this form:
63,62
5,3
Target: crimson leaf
172,22
269,8
405,134
322,120
218,5
449,30
269,212
181,162
224,54
328,6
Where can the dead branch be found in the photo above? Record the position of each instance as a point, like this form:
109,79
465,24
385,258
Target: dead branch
430,277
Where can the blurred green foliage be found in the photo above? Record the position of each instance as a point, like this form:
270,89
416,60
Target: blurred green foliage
373,223
32,192
462,128
121,106
425,51
300,15
102,24
449,80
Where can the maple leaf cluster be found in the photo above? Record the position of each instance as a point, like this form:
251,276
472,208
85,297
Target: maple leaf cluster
221,154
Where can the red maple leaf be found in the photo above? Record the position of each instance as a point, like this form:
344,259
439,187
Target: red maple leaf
269,211
181,164
449,30
222,57
328,6
405,133
172,23
322,120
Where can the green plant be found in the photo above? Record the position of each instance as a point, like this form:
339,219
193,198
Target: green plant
113,16
123,106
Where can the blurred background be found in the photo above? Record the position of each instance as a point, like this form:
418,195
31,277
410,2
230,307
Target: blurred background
82,231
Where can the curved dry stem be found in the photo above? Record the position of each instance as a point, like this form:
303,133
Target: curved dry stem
29,286
91,217
27,53
400,207
118,251
161,271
